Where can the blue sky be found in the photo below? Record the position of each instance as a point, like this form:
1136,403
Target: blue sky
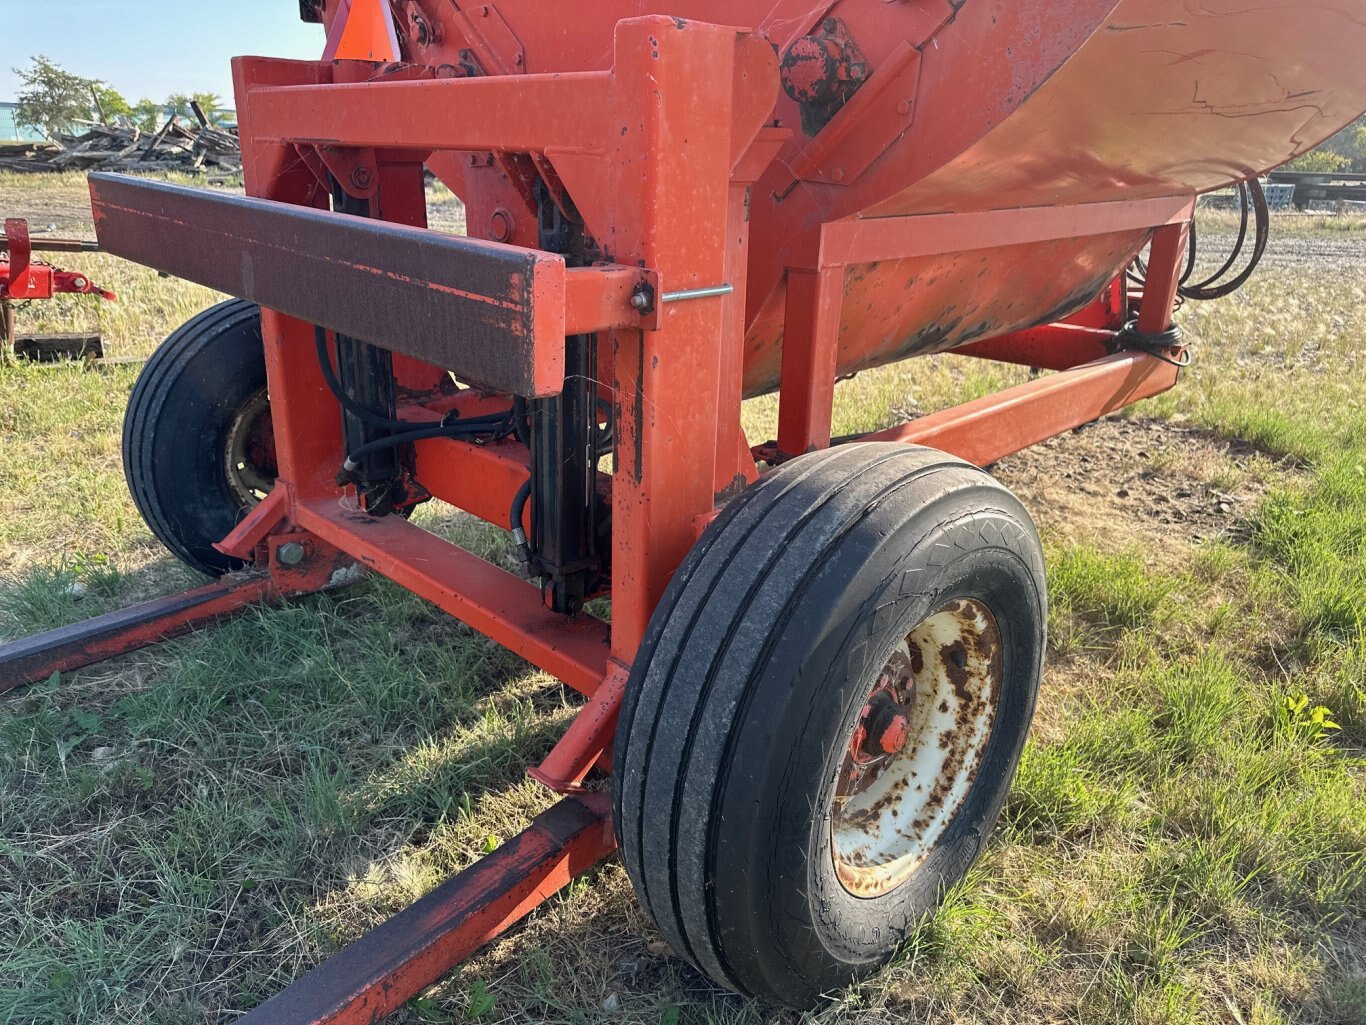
151,48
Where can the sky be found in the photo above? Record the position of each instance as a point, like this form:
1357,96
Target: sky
151,48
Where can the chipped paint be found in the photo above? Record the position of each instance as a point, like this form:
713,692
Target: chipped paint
890,810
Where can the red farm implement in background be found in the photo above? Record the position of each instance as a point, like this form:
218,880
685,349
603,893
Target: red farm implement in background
817,679
24,279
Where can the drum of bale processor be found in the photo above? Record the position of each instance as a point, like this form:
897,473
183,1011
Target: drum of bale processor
822,658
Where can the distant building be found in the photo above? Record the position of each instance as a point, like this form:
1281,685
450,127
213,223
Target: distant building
10,131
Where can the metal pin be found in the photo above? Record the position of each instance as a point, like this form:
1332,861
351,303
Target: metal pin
696,293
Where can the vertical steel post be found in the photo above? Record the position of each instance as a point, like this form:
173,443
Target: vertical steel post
666,383
810,353
1164,278
308,446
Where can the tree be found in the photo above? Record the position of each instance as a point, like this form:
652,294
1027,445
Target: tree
110,102
179,105
1319,161
147,114
52,100
211,104
1359,148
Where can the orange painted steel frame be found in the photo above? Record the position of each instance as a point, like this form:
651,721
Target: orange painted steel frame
677,130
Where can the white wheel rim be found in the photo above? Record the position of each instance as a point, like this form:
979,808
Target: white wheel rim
891,809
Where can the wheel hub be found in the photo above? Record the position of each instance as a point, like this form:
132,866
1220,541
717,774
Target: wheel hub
916,748
883,725
251,464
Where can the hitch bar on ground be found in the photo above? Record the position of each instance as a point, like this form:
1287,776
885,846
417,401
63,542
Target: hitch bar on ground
398,959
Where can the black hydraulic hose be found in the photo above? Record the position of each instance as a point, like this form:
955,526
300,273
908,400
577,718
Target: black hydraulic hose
408,430
1263,215
348,403
458,429
1245,208
518,511
519,421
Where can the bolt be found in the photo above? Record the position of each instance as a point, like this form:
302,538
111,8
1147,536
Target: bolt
361,177
291,553
904,107
643,298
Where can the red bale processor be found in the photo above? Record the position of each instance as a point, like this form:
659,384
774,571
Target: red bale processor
25,279
817,679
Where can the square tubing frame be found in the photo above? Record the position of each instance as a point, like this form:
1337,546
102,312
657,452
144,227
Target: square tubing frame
815,286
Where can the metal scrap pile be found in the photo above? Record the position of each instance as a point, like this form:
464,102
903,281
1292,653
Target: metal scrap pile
175,147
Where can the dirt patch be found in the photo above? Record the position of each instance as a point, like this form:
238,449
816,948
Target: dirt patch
1150,485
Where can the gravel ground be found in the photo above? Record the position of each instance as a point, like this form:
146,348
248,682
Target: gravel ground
1296,251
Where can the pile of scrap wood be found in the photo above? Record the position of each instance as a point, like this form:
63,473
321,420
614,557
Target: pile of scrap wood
175,147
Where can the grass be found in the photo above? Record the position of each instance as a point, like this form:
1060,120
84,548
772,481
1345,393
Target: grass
184,830
1289,223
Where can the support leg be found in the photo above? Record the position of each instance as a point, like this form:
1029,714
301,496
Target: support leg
1164,278
667,383
810,351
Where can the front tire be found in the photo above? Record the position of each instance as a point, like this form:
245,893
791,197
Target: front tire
826,712
198,449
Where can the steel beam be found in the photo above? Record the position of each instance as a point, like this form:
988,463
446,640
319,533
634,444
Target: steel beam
1006,422
495,314
492,600
394,962
94,640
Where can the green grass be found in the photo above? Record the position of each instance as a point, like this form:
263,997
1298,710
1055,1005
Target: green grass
185,830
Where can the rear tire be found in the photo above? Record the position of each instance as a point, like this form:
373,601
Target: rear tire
750,700
198,451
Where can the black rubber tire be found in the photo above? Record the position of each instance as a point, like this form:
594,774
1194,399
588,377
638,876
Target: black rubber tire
176,427
749,684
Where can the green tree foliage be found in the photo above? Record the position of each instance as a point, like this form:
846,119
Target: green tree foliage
1345,151
110,102
1358,137
179,105
212,106
147,114
52,99
1320,161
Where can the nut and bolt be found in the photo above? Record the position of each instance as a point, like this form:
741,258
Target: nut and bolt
361,177
643,298
501,225
291,553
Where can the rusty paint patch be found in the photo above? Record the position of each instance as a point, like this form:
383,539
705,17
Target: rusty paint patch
889,811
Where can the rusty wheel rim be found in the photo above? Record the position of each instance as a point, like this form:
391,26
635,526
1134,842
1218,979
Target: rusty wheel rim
916,748
250,444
